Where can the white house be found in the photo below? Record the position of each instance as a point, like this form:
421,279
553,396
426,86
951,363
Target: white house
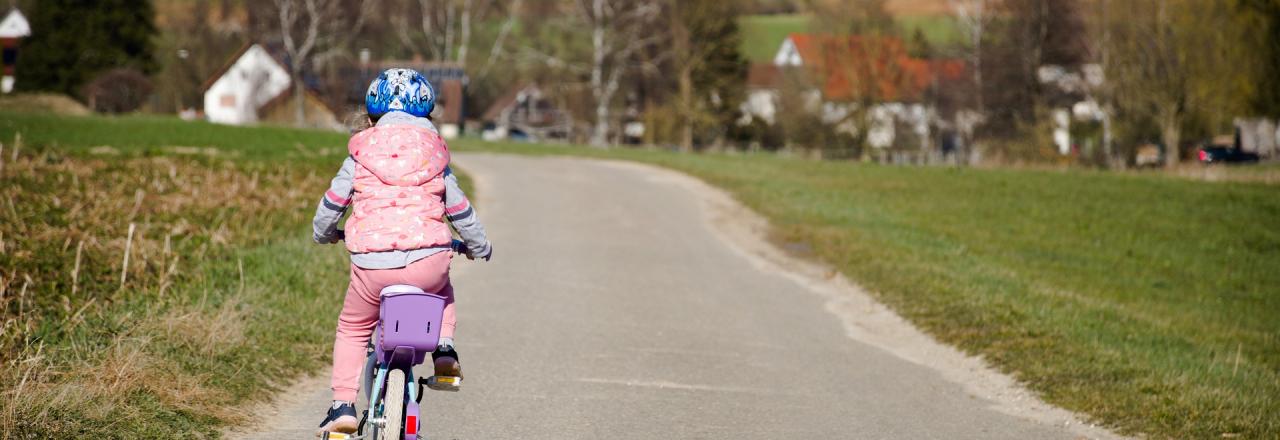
789,53
247,84
255,87
13,28
1076,87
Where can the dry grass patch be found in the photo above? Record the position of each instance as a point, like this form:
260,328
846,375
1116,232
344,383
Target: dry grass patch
114,284
44,103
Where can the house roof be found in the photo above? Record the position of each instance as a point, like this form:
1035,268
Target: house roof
231,62
288,93
14,25
505,101
433,70
764,76
870,67
275,100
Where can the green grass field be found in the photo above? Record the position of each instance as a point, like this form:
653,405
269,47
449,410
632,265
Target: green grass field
1147,302
762,35
938,30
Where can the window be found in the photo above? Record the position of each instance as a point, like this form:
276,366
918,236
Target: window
227,100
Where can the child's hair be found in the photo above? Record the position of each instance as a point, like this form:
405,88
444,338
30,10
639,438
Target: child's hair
359,121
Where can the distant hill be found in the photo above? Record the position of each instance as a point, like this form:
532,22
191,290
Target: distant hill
918,7
763,34
176,14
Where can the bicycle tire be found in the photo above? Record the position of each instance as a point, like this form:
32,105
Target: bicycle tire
393,406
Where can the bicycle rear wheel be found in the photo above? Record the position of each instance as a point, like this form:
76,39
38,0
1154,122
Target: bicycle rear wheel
393,406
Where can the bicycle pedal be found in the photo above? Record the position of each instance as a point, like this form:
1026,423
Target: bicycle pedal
336,436
444,383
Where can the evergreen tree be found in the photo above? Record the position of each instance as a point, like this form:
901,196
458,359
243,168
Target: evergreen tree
72,41
710,70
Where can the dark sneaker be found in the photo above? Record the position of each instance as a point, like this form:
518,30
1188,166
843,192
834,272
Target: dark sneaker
446,362
341,418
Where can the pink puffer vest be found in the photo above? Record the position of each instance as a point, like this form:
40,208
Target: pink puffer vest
399,190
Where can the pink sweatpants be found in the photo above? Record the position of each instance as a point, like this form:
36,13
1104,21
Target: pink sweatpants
360,314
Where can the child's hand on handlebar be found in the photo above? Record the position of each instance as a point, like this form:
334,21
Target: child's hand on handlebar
462,248
331,238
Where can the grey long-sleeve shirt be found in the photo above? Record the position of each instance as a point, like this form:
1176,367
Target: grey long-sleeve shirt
458,212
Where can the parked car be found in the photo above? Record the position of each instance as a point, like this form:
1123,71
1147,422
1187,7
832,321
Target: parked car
1223,154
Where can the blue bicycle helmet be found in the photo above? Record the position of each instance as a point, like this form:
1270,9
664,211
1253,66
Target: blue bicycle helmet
403,90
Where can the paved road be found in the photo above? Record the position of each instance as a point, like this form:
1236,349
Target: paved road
611,310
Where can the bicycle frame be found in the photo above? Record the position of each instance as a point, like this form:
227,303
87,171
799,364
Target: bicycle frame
408,330
409,321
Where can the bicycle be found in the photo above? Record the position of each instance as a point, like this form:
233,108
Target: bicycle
408,331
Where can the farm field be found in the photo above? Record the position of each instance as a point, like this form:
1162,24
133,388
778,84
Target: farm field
1144,301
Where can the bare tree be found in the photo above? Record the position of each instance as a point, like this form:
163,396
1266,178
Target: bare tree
617,33
620,30
314,31
974,16
1104,93
1161,66
471,35
513,14
444,29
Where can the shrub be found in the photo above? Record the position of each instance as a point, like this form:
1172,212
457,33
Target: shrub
118,91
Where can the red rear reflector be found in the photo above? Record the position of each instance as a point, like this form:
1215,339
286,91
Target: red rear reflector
411,425
1203,156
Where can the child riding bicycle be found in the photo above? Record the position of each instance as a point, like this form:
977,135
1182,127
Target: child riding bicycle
399,186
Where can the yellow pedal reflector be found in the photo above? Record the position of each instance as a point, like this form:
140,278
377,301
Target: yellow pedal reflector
444,383
335,436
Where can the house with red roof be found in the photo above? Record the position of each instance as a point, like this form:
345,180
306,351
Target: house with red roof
865,68
845,71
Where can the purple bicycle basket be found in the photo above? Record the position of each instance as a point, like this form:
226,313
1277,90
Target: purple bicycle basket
408,325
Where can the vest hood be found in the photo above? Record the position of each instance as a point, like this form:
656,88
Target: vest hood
400,155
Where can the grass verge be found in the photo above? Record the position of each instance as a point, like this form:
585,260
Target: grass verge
1145,301
223,295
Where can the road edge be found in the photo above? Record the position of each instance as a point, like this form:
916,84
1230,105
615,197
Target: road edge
863,318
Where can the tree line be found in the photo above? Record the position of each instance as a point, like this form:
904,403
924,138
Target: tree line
1171,71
